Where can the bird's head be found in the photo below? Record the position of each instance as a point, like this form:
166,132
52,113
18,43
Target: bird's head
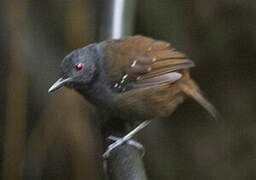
78,69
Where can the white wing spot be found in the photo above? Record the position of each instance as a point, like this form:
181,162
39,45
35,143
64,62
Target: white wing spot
124,77
133,63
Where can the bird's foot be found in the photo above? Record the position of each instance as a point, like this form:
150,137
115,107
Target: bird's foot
126,138
119,141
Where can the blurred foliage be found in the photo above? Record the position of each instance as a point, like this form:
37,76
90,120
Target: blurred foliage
53,136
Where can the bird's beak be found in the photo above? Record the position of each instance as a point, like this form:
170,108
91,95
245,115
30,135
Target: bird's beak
58,84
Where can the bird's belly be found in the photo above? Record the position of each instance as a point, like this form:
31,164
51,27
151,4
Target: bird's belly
148,103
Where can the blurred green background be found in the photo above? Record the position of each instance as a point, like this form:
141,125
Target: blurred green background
49,137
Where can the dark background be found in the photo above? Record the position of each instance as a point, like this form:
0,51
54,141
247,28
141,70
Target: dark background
48,137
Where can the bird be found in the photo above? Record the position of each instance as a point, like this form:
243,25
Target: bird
134,78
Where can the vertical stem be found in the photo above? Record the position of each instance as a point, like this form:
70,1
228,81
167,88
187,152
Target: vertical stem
125,162
117,18
16,94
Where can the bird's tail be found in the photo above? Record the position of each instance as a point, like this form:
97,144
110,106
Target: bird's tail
190,88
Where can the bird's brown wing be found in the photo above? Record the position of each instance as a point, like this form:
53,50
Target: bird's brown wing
138,61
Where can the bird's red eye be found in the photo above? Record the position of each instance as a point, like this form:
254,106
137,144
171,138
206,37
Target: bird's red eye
79,67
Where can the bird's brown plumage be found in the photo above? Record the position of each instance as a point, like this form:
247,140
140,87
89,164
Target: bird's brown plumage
147,77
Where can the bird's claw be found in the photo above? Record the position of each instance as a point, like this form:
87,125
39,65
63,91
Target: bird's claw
119,141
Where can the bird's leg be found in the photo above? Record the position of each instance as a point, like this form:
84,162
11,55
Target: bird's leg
126,138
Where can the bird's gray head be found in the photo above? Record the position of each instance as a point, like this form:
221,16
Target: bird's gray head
78,68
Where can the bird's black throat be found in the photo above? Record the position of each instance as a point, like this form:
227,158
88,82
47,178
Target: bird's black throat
97,92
